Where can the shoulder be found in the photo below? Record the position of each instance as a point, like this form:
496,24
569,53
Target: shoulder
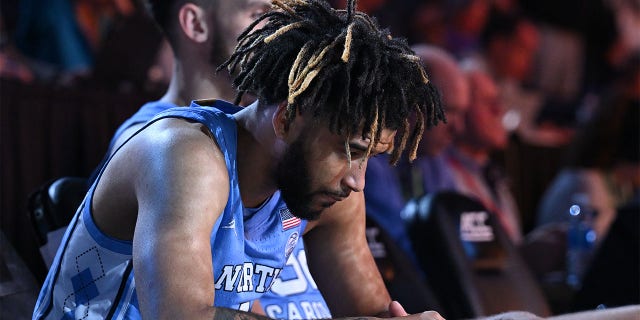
177,134
173,148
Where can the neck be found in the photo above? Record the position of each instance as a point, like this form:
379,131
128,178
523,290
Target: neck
197,81
256,157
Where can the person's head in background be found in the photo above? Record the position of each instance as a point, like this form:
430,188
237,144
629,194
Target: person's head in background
466,20
483,131
427,24
447,76
510,43
215,24
366,6
202,35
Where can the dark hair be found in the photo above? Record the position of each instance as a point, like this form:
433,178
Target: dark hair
501,25
339,66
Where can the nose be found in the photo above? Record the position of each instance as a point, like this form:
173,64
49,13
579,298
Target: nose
354,177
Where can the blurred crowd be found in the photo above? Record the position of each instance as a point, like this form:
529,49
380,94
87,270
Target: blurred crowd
552,61
110,43
563,75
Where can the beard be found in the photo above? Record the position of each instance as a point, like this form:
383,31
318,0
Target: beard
292,178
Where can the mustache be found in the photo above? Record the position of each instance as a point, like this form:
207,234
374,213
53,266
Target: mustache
337,194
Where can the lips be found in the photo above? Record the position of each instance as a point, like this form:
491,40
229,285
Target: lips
335,197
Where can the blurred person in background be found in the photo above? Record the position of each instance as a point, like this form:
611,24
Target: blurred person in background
602,161
429,172
427,23
13,65
470,161
95,17
114,27
601,173
47,32
510,43
201,38
87,42
465,21
389,187
582,43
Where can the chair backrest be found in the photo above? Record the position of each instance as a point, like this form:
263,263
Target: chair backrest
474,267
52,206
403,279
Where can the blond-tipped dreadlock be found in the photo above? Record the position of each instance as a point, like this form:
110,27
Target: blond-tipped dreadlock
341,68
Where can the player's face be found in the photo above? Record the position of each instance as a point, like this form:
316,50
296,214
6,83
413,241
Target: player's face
315,172
230,19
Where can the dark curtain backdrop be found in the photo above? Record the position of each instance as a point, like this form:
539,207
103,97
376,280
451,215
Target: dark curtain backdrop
48,132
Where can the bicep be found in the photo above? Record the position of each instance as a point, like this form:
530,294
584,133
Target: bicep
341,262
181,192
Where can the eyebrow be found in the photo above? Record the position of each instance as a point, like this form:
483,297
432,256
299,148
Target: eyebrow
254,3
357,146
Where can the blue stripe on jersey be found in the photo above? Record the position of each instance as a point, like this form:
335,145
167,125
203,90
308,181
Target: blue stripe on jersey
113,244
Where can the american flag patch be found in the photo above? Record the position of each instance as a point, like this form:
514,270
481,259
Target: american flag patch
288,219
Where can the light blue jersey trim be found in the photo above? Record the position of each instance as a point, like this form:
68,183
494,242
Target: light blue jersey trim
113,244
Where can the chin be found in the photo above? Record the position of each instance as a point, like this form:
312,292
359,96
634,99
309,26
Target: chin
312,215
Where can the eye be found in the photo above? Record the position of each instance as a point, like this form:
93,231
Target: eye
257,14
259,11
357,154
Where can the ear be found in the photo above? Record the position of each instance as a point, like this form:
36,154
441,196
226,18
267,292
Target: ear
279,120
193,22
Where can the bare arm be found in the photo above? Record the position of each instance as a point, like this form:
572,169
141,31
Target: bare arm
341,262
181,186
342,265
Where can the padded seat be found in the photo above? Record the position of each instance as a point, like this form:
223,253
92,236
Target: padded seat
474,268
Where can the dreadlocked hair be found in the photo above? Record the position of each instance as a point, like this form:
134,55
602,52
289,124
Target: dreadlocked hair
339,67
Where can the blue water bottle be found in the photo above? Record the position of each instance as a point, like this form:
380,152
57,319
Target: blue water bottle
580,242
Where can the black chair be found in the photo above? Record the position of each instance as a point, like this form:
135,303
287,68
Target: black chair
613,277
403,279
474,268
52,206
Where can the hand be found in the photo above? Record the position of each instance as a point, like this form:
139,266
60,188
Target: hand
396,310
